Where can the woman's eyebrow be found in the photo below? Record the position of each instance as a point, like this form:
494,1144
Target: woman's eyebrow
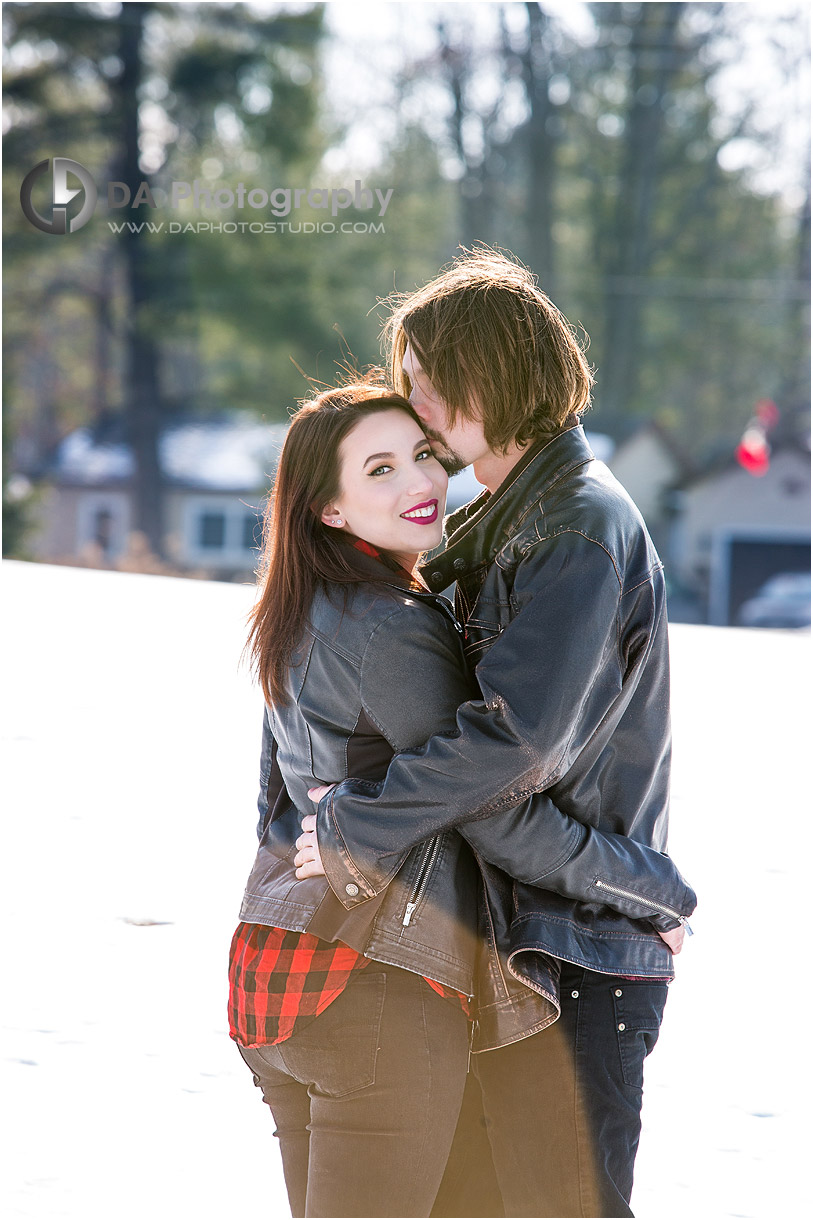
376,457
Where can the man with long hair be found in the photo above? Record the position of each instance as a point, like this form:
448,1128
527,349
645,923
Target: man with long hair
563,598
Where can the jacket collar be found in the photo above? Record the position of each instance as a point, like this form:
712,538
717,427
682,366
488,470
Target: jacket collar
477,531
370,565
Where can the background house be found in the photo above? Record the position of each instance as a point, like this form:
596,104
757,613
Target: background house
731,530
216,474
721,530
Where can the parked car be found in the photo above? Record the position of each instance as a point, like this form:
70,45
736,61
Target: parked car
783,601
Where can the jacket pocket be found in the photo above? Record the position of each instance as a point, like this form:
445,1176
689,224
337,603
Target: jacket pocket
638,1009
479,637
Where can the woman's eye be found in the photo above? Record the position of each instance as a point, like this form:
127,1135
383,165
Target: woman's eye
379,470
424,453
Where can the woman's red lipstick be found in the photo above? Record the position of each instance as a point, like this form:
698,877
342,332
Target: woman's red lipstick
426,519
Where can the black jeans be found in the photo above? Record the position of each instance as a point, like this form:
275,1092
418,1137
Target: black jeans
366,1097
562,1108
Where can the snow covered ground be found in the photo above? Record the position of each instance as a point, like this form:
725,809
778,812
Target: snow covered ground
130,748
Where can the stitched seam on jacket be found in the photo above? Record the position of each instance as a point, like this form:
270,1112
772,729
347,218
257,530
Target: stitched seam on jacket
570,529
347,741
318,635
399,747
538,504
656,567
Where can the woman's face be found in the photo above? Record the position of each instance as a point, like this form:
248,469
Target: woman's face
392,489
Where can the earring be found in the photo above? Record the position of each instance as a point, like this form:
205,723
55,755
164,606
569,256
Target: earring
339,521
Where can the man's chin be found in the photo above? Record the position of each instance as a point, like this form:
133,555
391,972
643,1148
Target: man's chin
451,462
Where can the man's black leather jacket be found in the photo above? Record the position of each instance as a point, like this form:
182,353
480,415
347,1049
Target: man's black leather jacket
558,772
376,674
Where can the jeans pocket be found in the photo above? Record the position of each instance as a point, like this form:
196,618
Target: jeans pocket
638,1009
335,1055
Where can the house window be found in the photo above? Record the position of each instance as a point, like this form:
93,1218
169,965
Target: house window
103,529
212,531
221,533
103,519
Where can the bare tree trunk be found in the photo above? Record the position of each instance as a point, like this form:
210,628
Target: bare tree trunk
102,372
656,59
793,393
474,186
541,145
142,399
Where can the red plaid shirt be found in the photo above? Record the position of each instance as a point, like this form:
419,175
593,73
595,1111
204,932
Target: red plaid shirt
279,981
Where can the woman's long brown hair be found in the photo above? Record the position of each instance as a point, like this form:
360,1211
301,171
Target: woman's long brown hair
300,553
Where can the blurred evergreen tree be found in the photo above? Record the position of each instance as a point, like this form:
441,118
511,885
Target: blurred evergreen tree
137,95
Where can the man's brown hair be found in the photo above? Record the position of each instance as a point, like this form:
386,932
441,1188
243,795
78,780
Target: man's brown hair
494,347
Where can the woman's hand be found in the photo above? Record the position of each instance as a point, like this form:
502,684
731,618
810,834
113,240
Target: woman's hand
307,859
316,794
674,939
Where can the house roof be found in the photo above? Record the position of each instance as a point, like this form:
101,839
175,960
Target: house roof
219,455
652,428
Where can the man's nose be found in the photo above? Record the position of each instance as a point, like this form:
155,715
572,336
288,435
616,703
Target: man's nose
421,409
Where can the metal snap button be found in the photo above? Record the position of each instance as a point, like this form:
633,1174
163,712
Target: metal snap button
618,991
459,563
575,995
351,889
621,1026
435,577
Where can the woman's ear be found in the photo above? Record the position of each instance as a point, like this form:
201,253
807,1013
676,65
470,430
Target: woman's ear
332,515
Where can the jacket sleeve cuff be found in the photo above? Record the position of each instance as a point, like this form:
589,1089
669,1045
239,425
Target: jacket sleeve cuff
349,885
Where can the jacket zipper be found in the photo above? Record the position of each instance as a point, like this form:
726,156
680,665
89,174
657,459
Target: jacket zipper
427,864
656,906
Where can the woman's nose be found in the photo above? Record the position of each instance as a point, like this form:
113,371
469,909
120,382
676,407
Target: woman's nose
420,482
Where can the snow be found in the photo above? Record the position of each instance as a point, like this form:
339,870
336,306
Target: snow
131,741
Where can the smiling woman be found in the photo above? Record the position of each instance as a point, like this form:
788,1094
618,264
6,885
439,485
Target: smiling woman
336,1014
356,465
393,497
